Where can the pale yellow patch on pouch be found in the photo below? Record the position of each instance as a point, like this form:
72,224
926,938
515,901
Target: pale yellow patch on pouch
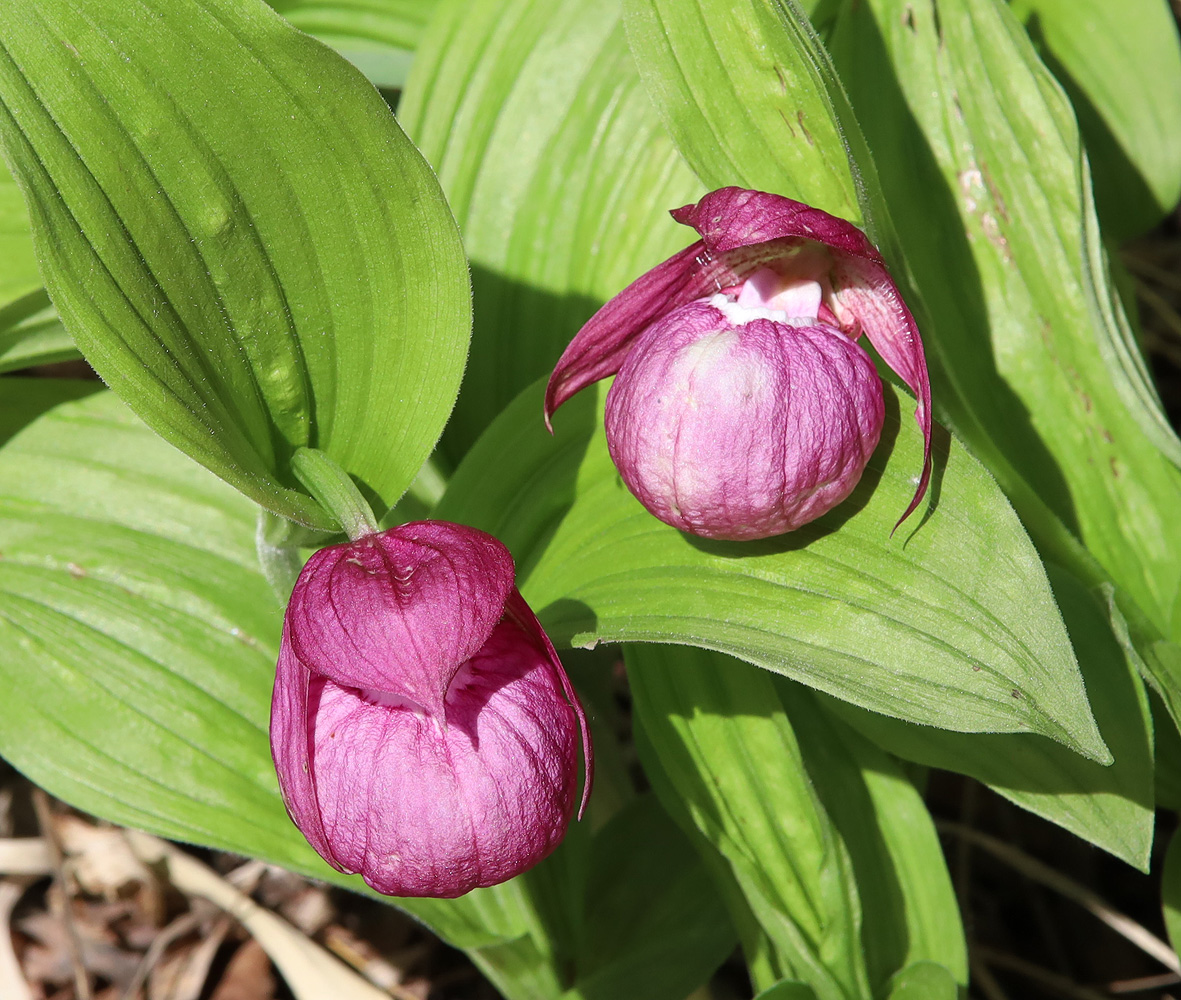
717,361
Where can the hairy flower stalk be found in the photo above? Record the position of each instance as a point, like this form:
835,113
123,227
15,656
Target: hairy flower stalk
743,405
424,732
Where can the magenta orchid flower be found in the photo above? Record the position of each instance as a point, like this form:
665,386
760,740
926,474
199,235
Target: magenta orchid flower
743,405
424,732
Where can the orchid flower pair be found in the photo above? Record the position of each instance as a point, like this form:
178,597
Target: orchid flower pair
424,731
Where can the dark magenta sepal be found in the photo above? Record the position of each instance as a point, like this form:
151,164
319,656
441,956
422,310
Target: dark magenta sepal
400,610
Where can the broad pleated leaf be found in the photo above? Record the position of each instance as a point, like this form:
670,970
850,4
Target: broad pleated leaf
395,24
18,274
1162,661
924,981
32,334
979,153
788,990
911,912
1167,745
723,744
1171,892
1112,807
951,624
1121,65
653,927
138,642
238,236
558,170
744,89
378,36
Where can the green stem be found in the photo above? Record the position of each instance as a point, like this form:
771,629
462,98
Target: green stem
335,491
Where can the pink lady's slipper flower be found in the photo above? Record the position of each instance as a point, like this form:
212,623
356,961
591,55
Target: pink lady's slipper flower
743,405
423,729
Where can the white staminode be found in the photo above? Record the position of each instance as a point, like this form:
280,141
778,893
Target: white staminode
768,295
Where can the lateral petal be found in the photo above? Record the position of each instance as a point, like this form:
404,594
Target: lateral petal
865,288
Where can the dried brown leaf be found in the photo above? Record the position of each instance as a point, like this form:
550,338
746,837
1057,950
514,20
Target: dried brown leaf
249,975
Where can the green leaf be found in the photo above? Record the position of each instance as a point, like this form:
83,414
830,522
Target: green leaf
724,744
120,557
1162,669
924,981
654,927
1111,807
1121,66
32,334
1171,892
378,36
910,910
744,90
979,155
558,170
1168,756
788,990
898,625
19,277
238,236
518,970
395,24
138,641
137,644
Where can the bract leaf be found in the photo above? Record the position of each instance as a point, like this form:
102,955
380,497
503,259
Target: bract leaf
953,626
238,236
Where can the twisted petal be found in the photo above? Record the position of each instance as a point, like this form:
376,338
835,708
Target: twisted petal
600,346
401,610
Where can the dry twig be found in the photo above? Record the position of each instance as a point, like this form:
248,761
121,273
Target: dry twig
1030,867
1043,977
61,902
12,978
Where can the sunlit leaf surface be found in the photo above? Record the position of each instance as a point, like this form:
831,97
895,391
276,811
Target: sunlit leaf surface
238,236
